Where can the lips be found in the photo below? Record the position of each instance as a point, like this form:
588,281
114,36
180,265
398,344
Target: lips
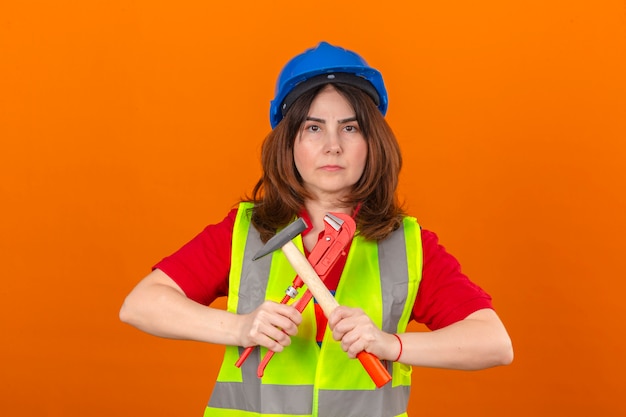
331,168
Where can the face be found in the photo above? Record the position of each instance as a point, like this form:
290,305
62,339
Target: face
330,151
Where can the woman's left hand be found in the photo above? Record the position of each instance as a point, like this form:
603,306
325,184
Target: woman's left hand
357,333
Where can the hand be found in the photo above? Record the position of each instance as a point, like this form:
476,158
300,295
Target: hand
270,325
357,333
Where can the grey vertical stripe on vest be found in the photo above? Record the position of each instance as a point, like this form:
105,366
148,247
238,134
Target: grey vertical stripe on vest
269,399
254,279
249,367
394,278
254,274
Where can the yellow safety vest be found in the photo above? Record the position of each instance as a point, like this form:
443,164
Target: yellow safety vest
381,278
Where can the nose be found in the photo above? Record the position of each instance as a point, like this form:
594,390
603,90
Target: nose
332,143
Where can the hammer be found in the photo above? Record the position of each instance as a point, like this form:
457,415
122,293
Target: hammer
283,240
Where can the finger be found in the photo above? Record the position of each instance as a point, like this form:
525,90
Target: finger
278,336
291,313
288,324
359,337
352,345
284,310
271,343
347,321
271,309
269,336
338,315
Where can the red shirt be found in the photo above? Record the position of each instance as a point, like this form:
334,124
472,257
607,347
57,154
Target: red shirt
445,296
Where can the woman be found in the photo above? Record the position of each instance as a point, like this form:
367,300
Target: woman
330,151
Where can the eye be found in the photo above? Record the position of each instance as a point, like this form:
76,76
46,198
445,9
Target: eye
311,128
351,128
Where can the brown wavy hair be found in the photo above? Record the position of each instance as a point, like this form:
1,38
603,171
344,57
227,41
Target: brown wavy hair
279,195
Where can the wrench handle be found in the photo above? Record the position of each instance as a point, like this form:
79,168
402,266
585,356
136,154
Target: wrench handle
244,356
374,368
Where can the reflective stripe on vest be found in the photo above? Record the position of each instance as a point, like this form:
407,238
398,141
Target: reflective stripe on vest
381,278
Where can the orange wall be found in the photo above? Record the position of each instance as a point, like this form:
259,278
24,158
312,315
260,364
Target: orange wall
121,124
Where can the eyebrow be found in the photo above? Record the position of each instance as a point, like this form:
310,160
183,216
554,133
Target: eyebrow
342,121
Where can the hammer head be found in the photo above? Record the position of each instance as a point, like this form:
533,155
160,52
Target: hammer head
281,238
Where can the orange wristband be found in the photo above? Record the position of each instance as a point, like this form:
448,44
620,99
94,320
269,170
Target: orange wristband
399,354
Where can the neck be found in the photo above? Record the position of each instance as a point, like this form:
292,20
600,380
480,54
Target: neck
317,209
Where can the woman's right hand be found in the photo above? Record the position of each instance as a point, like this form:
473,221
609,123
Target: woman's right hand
270,325
157,305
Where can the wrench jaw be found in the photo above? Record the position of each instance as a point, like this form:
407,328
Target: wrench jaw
334,221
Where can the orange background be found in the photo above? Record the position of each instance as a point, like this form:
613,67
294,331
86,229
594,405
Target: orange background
127,126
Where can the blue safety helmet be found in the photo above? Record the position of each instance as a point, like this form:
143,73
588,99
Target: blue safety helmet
322,65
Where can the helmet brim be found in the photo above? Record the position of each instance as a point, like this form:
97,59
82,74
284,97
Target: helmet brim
329,78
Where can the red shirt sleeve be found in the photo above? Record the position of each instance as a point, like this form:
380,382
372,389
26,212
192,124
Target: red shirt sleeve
201,266
445,294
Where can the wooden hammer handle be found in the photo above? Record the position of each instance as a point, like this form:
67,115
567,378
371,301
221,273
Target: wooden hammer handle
325,299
